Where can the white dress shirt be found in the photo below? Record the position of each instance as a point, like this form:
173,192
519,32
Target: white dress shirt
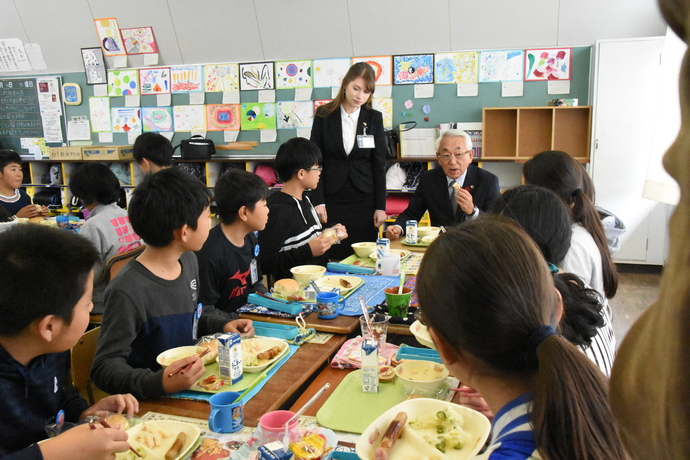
349,121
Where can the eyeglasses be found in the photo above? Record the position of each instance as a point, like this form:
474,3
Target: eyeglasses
458,156
318,168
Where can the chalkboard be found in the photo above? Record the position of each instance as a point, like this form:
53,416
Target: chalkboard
20,115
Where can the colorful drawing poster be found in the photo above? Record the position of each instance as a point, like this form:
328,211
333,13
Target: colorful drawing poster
109,36
295,114
99,114
258,115
293,74
186,78
385,106
155,81
257,75
126,119
456,67
221,77
223,117
500,65
189,118
139,40
123,82
330,72
411,69
383,68
547,64
157,119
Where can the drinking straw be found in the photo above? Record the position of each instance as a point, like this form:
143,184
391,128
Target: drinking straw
309,403
366,313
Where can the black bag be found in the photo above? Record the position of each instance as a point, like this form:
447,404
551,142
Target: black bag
392,140
196,148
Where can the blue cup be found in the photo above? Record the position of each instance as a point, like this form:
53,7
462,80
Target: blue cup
227,416
329,304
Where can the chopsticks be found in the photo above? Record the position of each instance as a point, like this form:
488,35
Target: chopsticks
183,370
273,298
107,425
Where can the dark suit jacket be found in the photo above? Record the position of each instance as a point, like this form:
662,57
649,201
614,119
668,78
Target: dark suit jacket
365,167
432,194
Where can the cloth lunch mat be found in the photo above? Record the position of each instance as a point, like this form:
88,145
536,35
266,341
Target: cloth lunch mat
247,380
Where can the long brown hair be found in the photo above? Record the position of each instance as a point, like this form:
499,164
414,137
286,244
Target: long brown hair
561,173
361,69
485,288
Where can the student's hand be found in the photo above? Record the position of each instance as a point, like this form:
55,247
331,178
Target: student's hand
379,218
320,245
29,211
468,397
83,442
393,232
340,231
321,212
243,327
44,211
183,379
465,201
116,403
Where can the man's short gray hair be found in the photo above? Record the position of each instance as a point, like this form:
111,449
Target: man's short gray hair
455,133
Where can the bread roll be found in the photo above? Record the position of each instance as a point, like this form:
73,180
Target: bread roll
286,287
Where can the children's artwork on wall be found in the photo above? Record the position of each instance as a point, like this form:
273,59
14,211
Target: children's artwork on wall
295,114
330,72
319,102
186,78
547,64
139,40
155,81
293,74
385,106
221,77
126,119
383,68
157,119
415,68
94,66
123,83
109,36
456,67
99,114
258,115
189,117
500,65
257,75
223,117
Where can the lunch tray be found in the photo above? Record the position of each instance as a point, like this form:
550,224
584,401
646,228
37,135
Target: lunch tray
348,409
279,331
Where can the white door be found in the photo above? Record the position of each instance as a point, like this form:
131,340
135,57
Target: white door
625,94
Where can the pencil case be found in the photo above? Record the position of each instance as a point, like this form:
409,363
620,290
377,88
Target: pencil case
279,331
419,354
294,308
346,268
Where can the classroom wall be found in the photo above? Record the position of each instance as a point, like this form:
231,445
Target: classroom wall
208,31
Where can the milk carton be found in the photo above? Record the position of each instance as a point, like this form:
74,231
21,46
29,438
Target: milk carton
230,357
370,365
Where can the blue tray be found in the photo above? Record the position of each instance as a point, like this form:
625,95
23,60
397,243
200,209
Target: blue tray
419,354
279,331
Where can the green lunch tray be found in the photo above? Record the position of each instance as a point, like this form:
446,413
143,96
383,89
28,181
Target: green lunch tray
348,409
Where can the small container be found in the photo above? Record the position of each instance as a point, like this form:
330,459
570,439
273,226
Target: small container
370,365
411,232
383,250
274,451
230,357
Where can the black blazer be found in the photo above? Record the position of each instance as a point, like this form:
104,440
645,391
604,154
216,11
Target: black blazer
366,168
432,194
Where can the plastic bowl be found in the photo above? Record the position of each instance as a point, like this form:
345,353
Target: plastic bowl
170,356
428,231
363,249
305,273
422,377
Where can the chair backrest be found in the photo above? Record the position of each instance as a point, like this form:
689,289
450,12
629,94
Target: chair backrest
115,263
82,359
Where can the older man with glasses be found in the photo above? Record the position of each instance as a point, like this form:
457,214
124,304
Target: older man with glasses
454,193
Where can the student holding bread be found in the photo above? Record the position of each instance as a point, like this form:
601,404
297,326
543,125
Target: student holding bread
493,326
15,200
41,322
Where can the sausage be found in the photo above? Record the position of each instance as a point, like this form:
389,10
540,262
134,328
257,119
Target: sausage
175,449
391,435
270,353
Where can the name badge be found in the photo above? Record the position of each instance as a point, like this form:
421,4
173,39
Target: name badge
365,141
254,271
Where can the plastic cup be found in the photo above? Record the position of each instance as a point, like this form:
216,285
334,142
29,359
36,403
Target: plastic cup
227,416
272,426
398,304
329,304
379,328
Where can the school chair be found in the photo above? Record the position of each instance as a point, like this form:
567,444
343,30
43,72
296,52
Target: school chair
81,360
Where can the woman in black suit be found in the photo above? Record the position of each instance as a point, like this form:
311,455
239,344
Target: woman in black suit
352,189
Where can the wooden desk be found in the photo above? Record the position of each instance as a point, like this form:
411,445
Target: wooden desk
301,366
338,325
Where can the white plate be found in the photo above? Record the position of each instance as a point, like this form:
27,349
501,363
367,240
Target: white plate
263,344
333,281
158,453
403,253
422,334
412,442
174,354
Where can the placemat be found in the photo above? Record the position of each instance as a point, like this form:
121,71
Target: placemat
371,290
